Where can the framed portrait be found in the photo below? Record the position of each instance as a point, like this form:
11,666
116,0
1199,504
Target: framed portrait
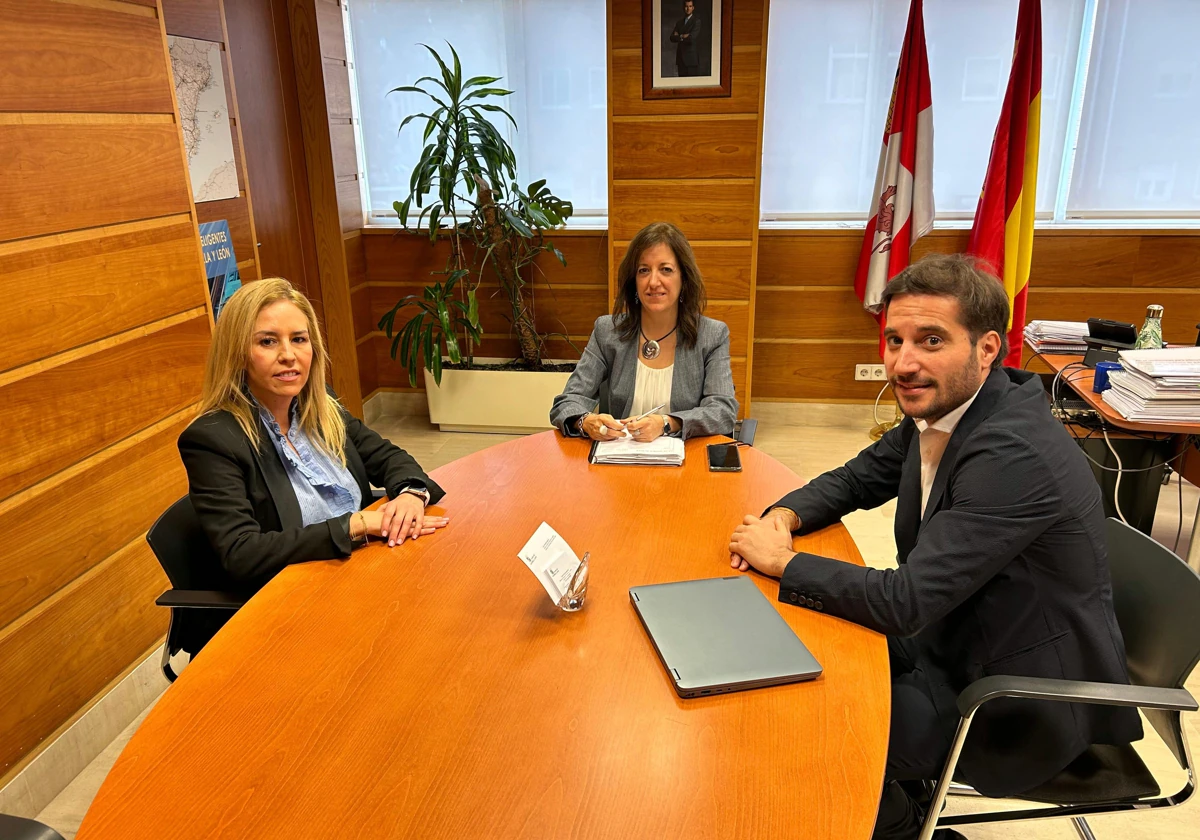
687,48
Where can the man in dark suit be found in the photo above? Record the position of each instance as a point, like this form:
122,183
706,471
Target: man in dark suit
685,35
1000,539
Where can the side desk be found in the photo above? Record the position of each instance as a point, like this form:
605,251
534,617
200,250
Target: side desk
433,691
1179,441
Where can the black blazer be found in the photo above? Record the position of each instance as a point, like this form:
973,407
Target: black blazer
1006,573
247,506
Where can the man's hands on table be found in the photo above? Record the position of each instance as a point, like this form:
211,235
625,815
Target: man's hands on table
765,544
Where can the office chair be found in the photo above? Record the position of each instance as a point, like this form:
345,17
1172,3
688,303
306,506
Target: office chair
19,828
1157,601
203,596
743,430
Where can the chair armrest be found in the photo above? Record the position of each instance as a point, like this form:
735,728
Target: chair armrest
744,431
200,598
1074,691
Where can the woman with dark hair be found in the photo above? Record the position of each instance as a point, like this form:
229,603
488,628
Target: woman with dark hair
666,365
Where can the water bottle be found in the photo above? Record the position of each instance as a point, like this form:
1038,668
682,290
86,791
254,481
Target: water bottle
1150,338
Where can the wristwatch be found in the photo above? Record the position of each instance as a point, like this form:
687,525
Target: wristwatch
666,425
421,492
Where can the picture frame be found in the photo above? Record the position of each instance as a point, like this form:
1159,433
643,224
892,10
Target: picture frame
674,68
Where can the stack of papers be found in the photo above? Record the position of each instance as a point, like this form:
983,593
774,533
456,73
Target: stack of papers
661,452
1157,386
1057,336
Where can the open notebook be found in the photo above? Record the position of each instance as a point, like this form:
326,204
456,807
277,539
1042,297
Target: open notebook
661,452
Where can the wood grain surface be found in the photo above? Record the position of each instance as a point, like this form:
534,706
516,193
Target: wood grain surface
69,647
654,147
54,418
702,209
433,691
127,487
100,281
63,175
60,57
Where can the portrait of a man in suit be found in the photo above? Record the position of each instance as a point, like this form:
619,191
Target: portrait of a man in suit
690,34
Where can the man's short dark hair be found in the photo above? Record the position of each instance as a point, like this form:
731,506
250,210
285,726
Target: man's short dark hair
982,301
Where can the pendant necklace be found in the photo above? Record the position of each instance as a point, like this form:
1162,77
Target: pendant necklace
650,349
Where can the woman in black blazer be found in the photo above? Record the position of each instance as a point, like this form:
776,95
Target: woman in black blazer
278,471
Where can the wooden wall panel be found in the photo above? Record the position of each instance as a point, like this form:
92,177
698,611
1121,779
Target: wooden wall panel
805,291
337,86
702,210
349,205
329,27
200,19
68,58
736,316
107,324
1168,262
810,312
56,174
657,147
126,387
815,371
95,284
323,89
1180,316
345,157
128,487
260,52
58,660
625,88
361,302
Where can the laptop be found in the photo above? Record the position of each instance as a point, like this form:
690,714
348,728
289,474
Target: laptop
720,635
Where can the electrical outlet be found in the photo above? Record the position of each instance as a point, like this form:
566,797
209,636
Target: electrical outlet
878,373
862,373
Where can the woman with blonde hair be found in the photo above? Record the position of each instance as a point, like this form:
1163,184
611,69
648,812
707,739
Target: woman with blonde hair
278,472
667,366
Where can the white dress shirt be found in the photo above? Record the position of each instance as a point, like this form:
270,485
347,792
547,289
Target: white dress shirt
934,437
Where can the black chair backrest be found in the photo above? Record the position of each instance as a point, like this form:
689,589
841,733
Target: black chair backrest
1157,601
183,550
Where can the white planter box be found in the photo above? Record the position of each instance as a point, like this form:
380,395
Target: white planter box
496,401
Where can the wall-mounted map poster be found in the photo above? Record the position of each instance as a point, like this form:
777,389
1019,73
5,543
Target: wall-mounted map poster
204,116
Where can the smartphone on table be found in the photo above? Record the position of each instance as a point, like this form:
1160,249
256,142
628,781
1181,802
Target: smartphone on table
724,457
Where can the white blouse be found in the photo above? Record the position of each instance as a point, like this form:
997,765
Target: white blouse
652,388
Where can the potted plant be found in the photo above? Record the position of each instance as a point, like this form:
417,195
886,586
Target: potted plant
463,188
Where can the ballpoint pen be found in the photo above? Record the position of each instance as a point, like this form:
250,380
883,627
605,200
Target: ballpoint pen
648,413
643,416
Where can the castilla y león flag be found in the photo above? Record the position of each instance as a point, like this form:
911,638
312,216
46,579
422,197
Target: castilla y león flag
1002,234
902,203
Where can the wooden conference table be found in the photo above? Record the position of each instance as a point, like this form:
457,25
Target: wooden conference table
434,691
1180,439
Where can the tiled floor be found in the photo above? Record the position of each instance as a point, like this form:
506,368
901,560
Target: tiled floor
808,450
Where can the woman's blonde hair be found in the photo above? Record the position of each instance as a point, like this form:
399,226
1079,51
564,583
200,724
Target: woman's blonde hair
225,386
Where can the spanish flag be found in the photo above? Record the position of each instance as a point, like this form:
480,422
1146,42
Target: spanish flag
1002,234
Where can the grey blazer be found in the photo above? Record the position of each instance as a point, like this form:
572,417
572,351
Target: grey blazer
702,395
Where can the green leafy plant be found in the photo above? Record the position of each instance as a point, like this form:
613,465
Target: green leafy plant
464,188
